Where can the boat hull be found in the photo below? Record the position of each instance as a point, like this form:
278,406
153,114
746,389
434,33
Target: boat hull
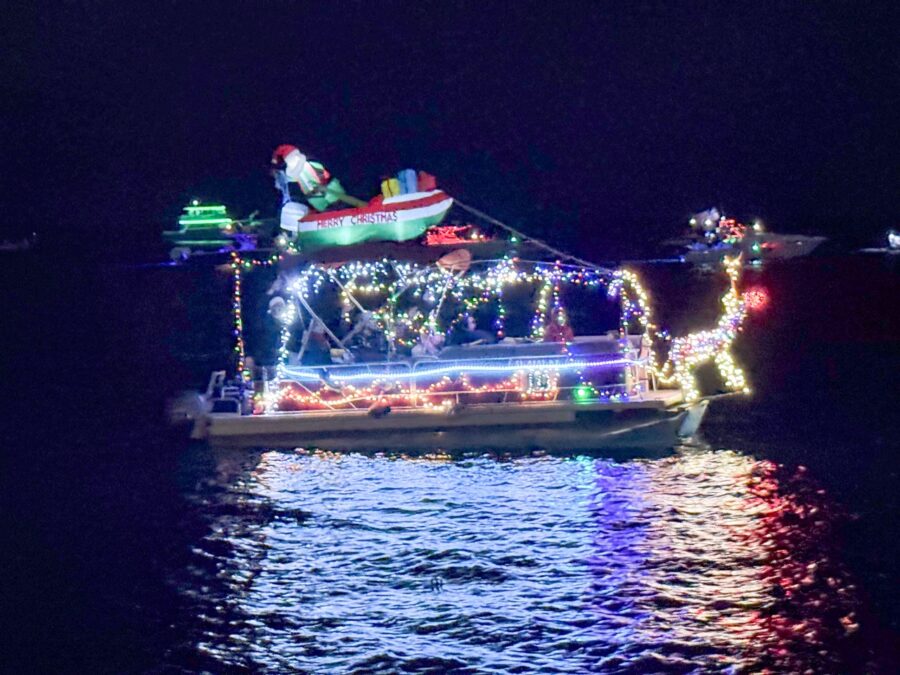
552,427
766,246
199,238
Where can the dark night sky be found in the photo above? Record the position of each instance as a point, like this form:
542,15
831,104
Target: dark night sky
593,124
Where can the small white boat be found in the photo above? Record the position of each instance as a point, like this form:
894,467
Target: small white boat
892,248
715,237
761,246
18,245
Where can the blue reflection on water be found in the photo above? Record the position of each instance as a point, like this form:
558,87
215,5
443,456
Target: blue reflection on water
705,560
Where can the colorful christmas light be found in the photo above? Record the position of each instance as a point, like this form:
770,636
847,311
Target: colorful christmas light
390,280
688,352
237,264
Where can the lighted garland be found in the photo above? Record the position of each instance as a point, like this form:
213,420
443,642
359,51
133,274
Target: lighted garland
237,265
388,393
635,303
525,385
500,320
688,352
237,313
284,338
539,319
392,279
692,350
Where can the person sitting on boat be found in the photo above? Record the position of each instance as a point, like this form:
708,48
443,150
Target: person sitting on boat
469,333
366,340
428,345
317,350
559,329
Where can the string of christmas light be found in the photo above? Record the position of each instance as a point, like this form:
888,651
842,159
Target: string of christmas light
237,264
500,319
522,385
635,303
390,280
382,277
349,395
285,336
237,312
687,353
690,351
400,370
539,319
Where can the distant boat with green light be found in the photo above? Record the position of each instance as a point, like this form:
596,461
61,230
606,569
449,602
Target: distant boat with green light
209,227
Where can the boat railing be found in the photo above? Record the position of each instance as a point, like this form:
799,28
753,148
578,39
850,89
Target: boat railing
223,396
434,367
419,383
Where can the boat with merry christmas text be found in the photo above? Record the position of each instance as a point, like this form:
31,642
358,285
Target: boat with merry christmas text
408,205
461,345
397,218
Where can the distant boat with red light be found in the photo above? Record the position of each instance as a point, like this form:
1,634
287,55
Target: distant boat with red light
714,237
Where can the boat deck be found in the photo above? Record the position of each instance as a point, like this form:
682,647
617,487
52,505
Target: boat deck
539,423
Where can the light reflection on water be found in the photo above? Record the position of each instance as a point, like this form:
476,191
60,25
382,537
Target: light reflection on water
704,560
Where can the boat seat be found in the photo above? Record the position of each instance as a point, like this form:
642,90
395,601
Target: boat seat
216,382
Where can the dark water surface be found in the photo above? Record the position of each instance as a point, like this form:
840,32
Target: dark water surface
707,560
772,547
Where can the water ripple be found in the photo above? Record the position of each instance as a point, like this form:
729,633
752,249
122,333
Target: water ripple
701,561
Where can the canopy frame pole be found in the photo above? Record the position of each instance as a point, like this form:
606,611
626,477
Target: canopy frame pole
436,312
316,317
349,295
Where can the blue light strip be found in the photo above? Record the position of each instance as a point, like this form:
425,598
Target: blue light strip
316,374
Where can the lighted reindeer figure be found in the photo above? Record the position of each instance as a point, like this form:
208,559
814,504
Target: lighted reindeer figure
688,352
695,349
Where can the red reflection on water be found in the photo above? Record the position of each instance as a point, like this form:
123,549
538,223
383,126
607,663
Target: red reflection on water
718,558
811,607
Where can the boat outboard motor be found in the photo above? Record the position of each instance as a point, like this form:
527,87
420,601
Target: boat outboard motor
187,407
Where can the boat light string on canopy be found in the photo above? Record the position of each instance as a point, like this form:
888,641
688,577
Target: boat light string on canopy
390,277
432,284
683,354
